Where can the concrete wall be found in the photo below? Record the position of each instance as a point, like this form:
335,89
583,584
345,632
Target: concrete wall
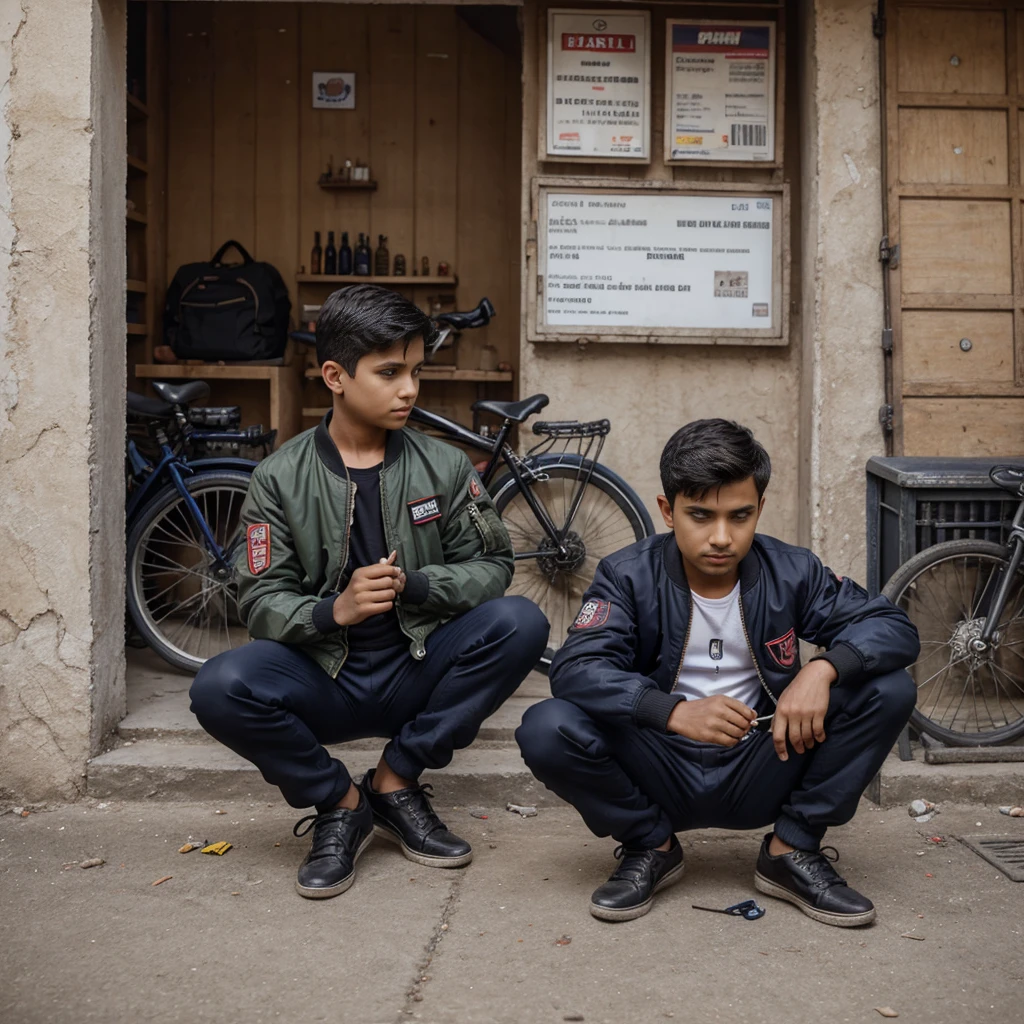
842,224
61,390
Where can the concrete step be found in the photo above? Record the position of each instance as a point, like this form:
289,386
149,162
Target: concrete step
158,704
486,775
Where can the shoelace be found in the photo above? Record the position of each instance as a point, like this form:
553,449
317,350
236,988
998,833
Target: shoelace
817,866
415,799
634,863
330,831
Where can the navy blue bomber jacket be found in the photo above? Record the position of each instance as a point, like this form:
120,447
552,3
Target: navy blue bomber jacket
623,653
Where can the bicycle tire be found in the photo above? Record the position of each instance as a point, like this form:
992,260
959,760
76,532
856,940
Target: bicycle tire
557,592
945,618
164,527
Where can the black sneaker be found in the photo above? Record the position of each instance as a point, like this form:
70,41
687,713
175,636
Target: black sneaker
339,837
629,893
806,879
406,817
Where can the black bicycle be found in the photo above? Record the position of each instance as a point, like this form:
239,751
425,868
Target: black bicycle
563,510
966,598
186,478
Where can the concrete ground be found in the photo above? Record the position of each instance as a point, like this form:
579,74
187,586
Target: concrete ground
226,939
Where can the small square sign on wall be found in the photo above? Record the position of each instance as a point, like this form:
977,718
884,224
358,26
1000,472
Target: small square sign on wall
334,90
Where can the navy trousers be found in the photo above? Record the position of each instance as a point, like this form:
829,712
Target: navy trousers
640,785
273,705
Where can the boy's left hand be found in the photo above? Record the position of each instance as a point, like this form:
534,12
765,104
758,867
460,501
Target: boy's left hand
801,709
399,581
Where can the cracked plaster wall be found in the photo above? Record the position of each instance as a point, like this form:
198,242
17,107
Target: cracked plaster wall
843,369
61,390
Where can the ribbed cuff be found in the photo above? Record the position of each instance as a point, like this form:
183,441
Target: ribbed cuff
323,615
846,661
654,708
417,587
797,835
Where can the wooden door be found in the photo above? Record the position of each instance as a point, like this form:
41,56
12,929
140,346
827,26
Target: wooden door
955,94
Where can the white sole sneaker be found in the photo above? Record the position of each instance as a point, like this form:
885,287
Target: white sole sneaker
326,892
770,888
632,913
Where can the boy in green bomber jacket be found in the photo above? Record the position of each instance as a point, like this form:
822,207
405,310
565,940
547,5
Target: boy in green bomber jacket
371,583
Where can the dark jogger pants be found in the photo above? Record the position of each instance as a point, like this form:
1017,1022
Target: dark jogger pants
273,705
640,785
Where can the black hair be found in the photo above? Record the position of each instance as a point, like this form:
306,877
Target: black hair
365,318
707,454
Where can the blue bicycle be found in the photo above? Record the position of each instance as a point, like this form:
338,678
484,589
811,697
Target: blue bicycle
186,481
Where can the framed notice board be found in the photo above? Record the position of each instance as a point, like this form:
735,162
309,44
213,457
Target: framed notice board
654,261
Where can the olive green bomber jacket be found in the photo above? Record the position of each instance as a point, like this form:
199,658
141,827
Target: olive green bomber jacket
297,517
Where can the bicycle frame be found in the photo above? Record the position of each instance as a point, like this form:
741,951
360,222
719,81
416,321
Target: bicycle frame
176,467
500,452
1015,546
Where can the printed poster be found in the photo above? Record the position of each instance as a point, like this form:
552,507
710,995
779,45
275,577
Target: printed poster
643,260
598,96
721,90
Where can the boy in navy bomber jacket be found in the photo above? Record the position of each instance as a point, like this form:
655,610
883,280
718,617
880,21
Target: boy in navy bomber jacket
680,701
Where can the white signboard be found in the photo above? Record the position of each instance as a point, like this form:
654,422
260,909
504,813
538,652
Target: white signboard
721,90
598,84
657,261
334,90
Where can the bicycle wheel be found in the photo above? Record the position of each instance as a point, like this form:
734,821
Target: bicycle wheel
610,516
184,610
964,698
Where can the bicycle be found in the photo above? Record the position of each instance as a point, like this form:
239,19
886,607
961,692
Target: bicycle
184,497
966,598
563,510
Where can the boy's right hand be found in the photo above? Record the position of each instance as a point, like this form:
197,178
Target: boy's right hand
371,590
719,719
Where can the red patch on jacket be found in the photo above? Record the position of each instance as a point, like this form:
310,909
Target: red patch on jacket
257,539
783,650
474,488
594,613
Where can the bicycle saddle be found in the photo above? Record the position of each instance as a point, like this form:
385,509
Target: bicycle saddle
479,317
182,394
515,411
1009,478
143,405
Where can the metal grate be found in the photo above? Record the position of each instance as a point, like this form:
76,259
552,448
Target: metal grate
939,521
1005,854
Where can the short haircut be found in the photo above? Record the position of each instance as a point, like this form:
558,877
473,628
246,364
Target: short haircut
365,318
708,454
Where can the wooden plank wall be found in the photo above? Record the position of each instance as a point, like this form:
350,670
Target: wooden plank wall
437,119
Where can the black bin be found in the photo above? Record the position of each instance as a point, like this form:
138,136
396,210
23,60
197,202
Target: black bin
915,502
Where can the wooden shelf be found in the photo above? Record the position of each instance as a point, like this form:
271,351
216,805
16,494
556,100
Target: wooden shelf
137,286
351,186
446,373
136,108
398,282
315,412
137,329
138,165
137,218
213,371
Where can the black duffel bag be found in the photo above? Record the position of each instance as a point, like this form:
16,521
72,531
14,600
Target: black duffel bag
234,313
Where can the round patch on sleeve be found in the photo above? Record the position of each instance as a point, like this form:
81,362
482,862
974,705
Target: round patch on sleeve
594,613
257,538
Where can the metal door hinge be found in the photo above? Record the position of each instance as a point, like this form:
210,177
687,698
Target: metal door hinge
888,254
885,418
878,23
886,339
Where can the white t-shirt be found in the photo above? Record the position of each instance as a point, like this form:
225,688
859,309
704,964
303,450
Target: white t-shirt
717,658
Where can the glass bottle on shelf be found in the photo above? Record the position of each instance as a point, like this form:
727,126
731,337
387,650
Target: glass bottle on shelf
315,255
399,265
362,257
345,256
424,267
330,255
381,257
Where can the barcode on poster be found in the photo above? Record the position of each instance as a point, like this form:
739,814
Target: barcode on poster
748,135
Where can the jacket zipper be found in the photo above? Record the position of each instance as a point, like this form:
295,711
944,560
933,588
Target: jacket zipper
417,649
753,657
686,643
344,558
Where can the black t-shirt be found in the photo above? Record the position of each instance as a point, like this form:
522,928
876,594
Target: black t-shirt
367,546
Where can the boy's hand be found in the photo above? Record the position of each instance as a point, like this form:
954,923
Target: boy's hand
371,591
718,719
801,709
